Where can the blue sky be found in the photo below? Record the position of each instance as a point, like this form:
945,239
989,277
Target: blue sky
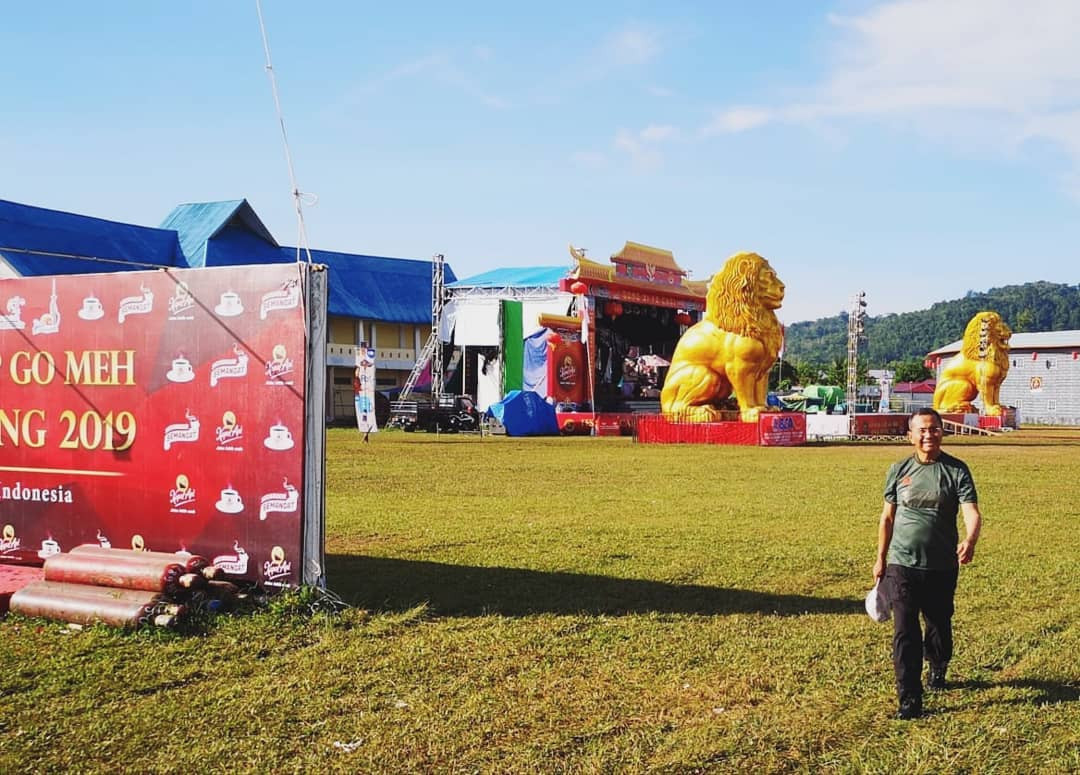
912,149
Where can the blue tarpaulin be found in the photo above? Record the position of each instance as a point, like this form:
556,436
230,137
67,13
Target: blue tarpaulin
534,370
524,413
35,241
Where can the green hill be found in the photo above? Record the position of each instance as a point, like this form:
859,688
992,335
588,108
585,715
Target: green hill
1039,306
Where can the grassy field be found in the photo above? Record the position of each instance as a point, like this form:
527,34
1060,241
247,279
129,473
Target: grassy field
591,605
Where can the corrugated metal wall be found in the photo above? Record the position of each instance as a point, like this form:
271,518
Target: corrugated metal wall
1045,389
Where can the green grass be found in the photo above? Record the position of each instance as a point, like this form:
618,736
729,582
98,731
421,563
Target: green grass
591,605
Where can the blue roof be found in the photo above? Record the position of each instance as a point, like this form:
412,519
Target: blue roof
37,241
199,222
395,290
515,277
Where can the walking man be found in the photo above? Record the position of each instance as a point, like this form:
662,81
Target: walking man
919,554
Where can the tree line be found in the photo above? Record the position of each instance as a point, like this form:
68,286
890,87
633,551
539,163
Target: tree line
816,351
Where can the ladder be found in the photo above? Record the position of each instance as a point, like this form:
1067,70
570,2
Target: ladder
418,367
961,429
433,347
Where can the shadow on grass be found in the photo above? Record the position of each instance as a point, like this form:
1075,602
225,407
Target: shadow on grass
1048,692
463,590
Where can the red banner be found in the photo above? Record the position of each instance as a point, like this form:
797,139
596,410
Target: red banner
787,429
882,424
567,373
156,410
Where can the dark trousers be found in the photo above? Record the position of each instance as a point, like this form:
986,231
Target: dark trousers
913,591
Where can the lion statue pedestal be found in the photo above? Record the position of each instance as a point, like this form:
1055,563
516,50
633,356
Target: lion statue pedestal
978,369
732,348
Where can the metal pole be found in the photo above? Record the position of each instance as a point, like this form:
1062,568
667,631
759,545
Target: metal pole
438,301
855,332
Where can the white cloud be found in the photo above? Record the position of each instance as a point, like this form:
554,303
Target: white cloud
442,68
642,146
657,134
993,73
737,119
659,91
633,44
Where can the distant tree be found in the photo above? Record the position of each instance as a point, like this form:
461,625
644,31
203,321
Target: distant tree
909,370
1039,306
836,373
784,373
1024,320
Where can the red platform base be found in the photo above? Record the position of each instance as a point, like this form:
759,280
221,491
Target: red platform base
599,424
773,429
13,578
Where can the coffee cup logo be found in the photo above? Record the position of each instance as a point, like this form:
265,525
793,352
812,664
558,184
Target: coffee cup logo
91,308
230,305
180,371
230,502
278,438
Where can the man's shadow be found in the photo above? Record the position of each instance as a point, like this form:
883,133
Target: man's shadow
464,590
1048,692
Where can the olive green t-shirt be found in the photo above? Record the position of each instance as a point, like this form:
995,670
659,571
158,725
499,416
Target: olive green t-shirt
927,498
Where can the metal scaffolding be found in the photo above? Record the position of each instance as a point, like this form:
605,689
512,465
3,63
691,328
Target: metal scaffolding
433,349
856,332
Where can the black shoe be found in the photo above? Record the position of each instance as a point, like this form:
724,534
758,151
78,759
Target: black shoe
909,709
936,681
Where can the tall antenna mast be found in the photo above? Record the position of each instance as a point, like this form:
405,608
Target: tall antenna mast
856,332
297,196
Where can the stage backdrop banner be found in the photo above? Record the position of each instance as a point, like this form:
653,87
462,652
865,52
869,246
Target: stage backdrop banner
166,411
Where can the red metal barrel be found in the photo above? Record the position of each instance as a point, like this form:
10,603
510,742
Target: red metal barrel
193,563
150,574
110,593
33,600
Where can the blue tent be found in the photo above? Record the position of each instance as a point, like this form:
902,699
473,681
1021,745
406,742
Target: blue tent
524,413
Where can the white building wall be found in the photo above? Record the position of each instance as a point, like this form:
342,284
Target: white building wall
1046,390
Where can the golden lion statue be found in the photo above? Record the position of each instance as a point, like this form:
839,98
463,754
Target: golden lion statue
979,368
732,348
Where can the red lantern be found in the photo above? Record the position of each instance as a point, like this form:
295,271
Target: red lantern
683,318
618,308
579,288
554,338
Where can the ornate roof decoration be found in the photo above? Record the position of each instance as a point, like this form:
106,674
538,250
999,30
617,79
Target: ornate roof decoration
647,256
664,278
